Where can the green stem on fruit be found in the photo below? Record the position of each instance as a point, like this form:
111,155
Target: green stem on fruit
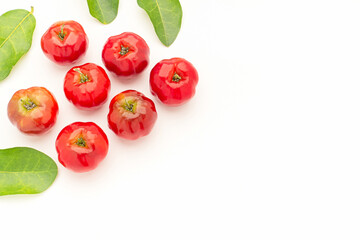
81,142
28,104
61,34
129,106
83,78
124,50
176,77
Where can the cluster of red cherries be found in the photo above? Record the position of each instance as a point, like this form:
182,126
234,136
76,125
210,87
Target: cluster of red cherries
81,146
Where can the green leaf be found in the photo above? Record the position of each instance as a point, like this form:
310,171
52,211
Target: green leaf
166,17
25,171
16,32
103,10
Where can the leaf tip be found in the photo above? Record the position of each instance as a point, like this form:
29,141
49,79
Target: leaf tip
167,42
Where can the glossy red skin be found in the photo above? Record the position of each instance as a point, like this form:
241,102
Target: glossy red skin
170,92
68,50
127,124
132,63
82,158
90,94
39,119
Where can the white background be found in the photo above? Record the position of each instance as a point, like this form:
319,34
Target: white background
267,149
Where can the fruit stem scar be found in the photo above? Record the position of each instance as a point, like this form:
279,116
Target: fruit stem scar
28,104
124,50
176,77
61,34
83,78
129,106
81,142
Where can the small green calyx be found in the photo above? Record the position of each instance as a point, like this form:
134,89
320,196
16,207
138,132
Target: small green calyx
176,77
124,50
28,104
130,106
81,142
83,78
61,34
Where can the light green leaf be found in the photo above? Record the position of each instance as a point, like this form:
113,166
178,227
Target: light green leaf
25,171
166,17
103,10
16,32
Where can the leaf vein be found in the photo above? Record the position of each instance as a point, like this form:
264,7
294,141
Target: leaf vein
162,20
13,31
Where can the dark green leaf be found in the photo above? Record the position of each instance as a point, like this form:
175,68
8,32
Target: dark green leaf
16,32
166,17
103,10
25,171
